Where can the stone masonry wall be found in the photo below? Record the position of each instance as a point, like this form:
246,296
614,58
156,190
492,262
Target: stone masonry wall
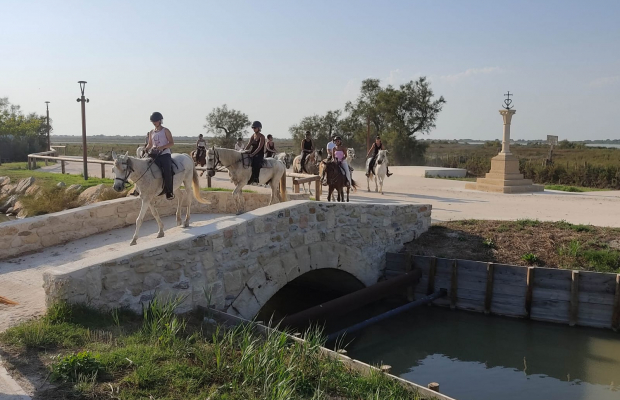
30,234
244,260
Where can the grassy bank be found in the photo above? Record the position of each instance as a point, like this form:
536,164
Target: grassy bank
19,170
524,242
92,355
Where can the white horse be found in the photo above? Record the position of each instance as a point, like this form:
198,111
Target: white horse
140,152
313,160
148,179
286,158
379,170
270,174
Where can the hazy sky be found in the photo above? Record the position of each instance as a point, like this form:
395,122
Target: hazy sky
279,61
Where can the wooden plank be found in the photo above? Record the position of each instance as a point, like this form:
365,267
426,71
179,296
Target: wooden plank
454,284
529,292
103,170
62,166
430,289
574,298
595,298
549,310
488,297
550,294
597,282
314,178
615,318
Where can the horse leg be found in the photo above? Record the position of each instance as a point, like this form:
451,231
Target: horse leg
376,187
179,202
381,183
238,196
368,182
188,200
160,224
348,194
145,205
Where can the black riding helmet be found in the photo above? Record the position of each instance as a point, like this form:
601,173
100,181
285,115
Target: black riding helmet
257,124
156,116
338,138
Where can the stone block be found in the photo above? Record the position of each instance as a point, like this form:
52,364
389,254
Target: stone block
246,304
260,241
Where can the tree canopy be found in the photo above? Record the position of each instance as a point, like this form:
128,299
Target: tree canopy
226,125
398,115
20,134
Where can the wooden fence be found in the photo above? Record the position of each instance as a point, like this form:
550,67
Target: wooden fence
32,161
544,294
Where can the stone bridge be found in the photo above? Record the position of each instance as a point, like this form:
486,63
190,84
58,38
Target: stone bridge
243,261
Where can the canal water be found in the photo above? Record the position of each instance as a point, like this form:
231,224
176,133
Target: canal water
479,357
4,218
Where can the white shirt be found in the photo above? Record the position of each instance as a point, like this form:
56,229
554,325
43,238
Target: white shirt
330,147
239,146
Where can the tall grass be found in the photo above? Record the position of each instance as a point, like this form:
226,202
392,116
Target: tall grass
228,363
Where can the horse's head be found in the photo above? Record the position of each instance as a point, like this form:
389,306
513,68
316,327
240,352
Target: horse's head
318,155
213,160
351,153
382,157
288,159
122,169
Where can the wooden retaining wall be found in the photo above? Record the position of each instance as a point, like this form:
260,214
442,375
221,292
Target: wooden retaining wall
543,294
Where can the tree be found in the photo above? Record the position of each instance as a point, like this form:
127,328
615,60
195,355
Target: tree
226,125
322,128
20,134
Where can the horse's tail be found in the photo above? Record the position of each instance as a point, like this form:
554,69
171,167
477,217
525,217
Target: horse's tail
196,187
353,184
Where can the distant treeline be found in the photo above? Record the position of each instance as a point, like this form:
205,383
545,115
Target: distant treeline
20,134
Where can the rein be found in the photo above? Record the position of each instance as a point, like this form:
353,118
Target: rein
130,170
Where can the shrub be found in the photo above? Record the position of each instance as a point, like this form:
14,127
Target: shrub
74,366
530,258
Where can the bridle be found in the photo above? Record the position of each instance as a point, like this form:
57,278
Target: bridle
216,162
129,170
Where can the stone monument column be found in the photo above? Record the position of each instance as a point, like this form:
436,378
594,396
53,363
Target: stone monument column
504,176
507,114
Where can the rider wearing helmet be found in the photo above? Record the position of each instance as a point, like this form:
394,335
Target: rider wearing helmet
160,142
330,146
239,146
340,154
256,150
307,147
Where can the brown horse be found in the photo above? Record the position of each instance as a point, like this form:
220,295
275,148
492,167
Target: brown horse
200,157
336,179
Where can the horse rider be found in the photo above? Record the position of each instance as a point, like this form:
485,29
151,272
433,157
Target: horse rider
239,146
256,150
307,147
376,146
330,146
340,154
270,147
201,147
160,142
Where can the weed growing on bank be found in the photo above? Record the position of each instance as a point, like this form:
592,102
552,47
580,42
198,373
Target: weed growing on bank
165,355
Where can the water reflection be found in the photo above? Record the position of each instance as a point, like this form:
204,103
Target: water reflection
474,356
4,218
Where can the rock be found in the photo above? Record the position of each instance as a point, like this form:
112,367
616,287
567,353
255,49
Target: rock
33,190
9,211
75,186
61,184
9,203
91,195
23,185
7,190
22,214
105,156
4,180
17,207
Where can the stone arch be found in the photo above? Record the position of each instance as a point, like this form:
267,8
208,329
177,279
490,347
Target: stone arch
284,268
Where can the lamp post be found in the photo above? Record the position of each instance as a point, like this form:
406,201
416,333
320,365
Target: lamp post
84,100
47,109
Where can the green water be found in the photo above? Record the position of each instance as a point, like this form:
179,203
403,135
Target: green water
4,218
478,357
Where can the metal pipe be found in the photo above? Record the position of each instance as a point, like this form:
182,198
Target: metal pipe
47,108
353,301
388,314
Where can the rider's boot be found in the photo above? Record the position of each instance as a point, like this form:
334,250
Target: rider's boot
169,196
388,173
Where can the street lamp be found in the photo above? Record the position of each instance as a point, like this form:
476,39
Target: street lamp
47,108
84,100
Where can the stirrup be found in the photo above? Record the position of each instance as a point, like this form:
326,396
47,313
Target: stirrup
169,196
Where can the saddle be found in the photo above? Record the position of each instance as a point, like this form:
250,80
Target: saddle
246,160
177,166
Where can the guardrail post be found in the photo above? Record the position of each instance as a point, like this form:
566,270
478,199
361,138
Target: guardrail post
295,186
62,166
208,180
46,162
317,189
102,170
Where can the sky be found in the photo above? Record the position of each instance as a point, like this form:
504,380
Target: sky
278,61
